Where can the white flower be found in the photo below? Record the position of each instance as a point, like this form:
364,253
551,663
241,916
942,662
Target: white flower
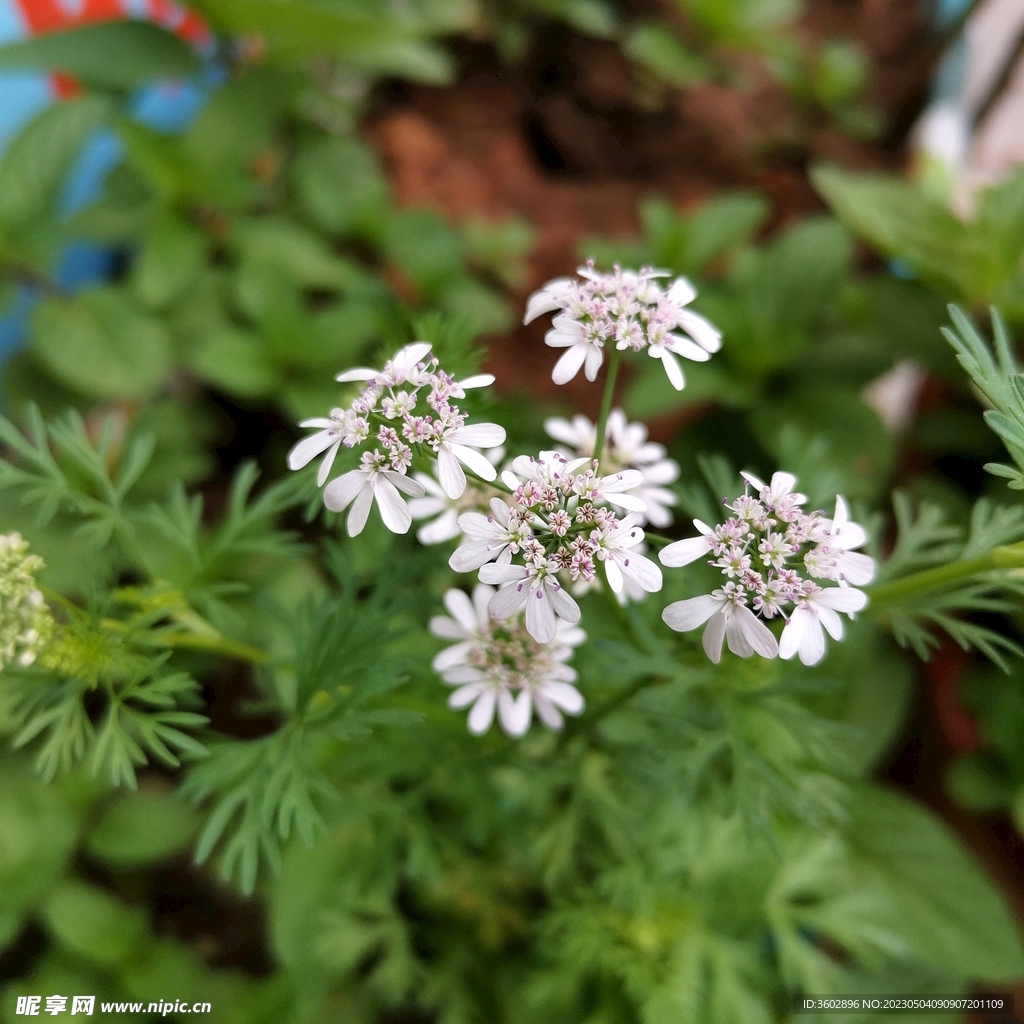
626,447
26,625
616,547
683,552
727,616
842,537
453,447
435,503
403,368
493,538
803,634
628,308
501,667
372,480
343,425
536,586
762,548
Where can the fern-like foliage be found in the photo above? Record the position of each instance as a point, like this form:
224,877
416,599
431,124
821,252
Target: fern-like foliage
998,377
926,544
263,790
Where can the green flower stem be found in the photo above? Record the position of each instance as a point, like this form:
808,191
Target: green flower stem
1009,556
212,643
606,402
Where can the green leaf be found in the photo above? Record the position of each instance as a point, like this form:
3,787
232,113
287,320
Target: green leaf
36,162
951,915
100,345
94,925
723,224
236,362
37,838
657,49
112,55
169,262
338,183
142,828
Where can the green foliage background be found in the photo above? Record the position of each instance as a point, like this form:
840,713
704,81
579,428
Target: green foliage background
705,841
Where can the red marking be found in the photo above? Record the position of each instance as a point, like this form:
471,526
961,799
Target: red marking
42,16
956,722
64,86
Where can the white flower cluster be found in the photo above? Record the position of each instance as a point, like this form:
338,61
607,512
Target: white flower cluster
560,519
625,447
25,621
499,665
629,308
771,552
389,409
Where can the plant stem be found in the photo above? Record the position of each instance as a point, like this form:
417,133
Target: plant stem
1009,556
606,403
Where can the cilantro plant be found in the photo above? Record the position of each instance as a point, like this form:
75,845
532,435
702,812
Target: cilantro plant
530,718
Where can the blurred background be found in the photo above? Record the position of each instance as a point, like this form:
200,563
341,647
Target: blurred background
206,212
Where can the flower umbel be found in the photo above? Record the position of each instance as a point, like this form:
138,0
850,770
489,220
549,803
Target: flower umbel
500,666
26,624
768,550
627,308
625,447
558,523
406,409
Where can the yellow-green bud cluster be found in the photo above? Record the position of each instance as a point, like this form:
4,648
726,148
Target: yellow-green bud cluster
26,624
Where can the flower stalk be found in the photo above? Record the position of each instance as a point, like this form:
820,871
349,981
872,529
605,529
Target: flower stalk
606,403
1008,556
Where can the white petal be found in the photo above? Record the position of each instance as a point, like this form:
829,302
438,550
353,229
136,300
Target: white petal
642,571
481,595
569,364
754,481
465,695
702,331
675,374
467,557
756,636
686,615
687,349
478,380
514,712
681,292
463,674
567,697
450,474
474,460
479,435
540,616
683,552
310,447
831,621
565,607
408,486
325,467
480,718
792,634
842,599
623,481
358,512
507,600
595,357
548,713
611,570
451,656
444,528
460,608
476,524
714,633
782,483
548,299
359,373
393,510
856,568
421,508
500,574
629,501
561,430
448,629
